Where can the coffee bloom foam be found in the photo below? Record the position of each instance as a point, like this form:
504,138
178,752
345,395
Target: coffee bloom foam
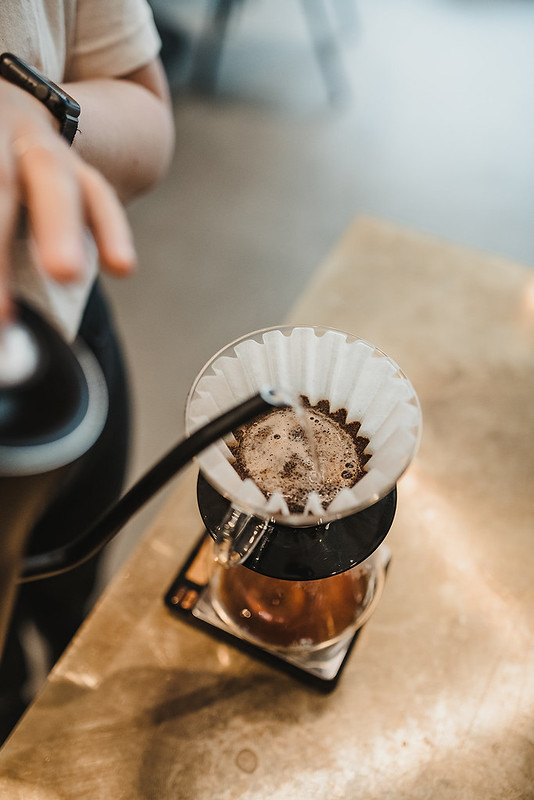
322,365
282,452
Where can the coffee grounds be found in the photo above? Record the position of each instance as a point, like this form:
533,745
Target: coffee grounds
273,451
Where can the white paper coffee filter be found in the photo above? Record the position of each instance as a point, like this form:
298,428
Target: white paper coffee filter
323,365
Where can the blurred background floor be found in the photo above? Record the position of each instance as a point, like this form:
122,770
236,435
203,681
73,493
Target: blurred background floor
436,133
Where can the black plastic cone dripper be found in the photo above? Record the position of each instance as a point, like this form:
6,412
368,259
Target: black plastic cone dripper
307,553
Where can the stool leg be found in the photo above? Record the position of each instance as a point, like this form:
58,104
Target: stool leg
348,21
326,48
209,50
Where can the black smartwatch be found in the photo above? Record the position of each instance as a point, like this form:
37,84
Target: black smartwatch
58,102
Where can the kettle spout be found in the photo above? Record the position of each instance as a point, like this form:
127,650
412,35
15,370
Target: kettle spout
79,550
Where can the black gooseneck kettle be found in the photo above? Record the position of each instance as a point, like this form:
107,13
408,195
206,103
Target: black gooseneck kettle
53,406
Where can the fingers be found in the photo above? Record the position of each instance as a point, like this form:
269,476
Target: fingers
54,207
107,220
63,195
8,207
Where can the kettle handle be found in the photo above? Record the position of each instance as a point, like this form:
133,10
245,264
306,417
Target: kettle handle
237,535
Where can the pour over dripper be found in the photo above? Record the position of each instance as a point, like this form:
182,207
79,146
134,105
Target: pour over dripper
321,364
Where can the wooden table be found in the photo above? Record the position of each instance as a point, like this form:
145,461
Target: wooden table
437,699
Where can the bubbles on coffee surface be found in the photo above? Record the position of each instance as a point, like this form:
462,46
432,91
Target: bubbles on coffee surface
275,452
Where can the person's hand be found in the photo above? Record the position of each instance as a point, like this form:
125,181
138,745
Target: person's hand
61,194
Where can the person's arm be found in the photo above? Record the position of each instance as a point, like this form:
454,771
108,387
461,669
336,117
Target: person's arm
126,127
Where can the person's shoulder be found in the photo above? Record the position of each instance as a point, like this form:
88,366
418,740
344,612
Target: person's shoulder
112,38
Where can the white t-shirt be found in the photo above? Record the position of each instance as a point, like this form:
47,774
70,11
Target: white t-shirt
71,40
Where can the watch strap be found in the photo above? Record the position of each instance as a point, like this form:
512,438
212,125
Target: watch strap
69,127
58,102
